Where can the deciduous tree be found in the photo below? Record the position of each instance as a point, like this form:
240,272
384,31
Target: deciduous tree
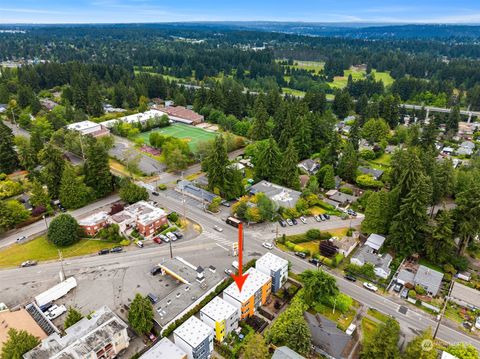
383,343
140,315
63,230
255,348
18,343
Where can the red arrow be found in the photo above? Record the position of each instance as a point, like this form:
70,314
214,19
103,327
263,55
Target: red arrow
240,278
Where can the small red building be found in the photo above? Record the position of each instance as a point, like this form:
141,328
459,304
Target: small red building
92,224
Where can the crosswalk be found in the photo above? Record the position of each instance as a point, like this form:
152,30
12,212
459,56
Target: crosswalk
220,240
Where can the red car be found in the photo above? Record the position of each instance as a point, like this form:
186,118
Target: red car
157,240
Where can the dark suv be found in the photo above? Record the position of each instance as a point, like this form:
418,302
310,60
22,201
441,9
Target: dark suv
103,251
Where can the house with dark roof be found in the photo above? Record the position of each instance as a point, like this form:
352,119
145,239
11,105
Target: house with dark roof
310,166
342,199
376,174
327,339
189,189
367,255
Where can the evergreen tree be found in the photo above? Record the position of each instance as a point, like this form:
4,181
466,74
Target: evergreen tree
440,244
73,316
316,101
342,104
215,164
73,192
453,120
140,315
288,172
39,196
26,154
18,343
52,161
95,106
416,348
328,180
318,286
8,156
97,169
303,138
410,224
376,213
383,343
467,214
260,129
268,162
348,163
233,187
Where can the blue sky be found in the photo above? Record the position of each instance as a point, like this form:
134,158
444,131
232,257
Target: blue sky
114,11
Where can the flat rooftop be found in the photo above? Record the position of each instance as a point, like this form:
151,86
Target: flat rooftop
218,309
20,320
165,348
93,219
253,283
184,288
193,331
83,125
271,261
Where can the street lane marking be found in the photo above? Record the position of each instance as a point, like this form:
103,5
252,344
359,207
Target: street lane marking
218,244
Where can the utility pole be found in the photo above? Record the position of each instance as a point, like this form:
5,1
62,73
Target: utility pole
60,256
171,252
183,202
440,316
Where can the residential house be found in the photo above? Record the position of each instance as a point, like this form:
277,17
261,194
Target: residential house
327,339
285,353
195,338
281,196
376,174
447,151
101,335
190,190
255,291
182,114
310,166
346,245
375,241
466,148
367,255
465,296
342,199
275,267
89,128
19,320
93,223
164,348
429,279
222,316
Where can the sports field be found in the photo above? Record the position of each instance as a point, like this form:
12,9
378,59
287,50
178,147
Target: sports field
193,135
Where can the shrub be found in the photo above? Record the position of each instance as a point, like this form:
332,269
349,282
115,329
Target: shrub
290,213
124,242
346,190
298,238
63,230
367,154
324,260
350,232
313,234
412,293
448,268
162,187
173,217
367,181
459,262
325,235
420,290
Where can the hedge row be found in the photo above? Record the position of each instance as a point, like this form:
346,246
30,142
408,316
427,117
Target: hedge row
297,248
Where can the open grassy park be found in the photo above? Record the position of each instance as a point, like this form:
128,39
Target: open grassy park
341,81
40,249
193,135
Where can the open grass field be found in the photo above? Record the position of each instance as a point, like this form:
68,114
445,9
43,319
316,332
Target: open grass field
293,92
40,249
341,81
193,135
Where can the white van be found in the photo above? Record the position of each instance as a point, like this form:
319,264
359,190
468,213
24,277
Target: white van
235,265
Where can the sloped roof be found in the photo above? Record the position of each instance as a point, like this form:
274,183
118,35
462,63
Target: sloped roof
429,278
375,241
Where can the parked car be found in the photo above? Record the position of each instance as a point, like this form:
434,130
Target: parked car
351,212
152,298
178,234
294,221
29,263
317,218
350,277
235,264
116,250
351,329
316,262
103,251
289,222
323,217
300,254
370,286
157,240
55,311
225,203
46,307
267,245
171,236
155,193
164,238
303,219
228,271
327,216
21,239
155,270
404,293
397,287
217,228
282,223
139,244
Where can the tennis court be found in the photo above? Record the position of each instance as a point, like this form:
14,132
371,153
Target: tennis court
193,135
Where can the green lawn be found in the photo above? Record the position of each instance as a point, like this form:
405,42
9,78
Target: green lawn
368,328
42,250
343,320
385,77
341,81
376,314
193,135
293,92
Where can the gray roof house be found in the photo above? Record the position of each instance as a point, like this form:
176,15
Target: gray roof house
327,338
286,353
466,148
429,279
189,189
310,166
341,198
381,262
375,241
376,174
281,196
